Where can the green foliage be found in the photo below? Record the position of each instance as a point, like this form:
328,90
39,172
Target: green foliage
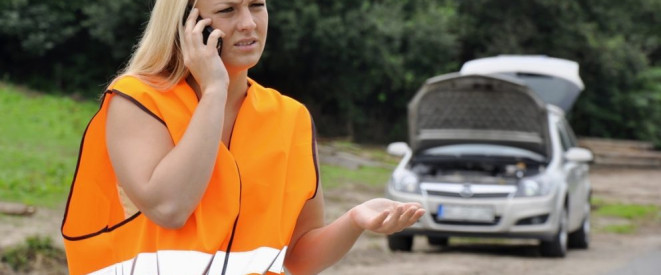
72,46
39,144
620,228
334,176
630,216
35,248
642,106
628,211
356,64
373,175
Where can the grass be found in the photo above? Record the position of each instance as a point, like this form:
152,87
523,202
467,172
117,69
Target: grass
333,176
39,142
36,253
40,138
376,153
631,215
620,228
628,211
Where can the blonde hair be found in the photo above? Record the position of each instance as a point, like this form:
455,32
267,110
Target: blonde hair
157,59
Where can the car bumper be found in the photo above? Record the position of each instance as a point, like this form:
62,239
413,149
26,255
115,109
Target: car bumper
525,217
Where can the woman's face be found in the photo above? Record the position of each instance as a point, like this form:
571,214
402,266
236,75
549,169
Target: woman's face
244,23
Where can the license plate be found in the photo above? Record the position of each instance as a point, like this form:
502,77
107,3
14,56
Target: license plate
478,213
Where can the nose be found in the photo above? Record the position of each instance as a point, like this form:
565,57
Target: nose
246,20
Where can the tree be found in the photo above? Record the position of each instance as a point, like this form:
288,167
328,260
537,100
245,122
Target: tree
606,38
71,46
357,63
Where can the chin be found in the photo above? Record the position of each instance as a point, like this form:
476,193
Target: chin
242,63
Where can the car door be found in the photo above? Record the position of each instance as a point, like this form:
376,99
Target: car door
576,174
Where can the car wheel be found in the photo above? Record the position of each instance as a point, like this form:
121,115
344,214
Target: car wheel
581,237
438,241
557,247
400,243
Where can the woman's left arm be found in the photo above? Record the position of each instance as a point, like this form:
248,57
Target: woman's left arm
315,247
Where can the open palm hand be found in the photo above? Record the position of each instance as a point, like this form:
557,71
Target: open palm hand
386,216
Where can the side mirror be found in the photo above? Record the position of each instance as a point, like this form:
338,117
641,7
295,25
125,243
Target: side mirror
398,149
578,154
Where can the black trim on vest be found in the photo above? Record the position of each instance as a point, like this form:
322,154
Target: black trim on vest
139,105
314,156
75,174
236,221
102,231
106,229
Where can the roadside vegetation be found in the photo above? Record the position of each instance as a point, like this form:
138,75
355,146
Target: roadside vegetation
34,256
624,218
395,45
39,140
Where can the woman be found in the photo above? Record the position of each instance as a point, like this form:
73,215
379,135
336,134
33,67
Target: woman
191,167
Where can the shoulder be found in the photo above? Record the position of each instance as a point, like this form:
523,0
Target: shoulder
129,82
269,98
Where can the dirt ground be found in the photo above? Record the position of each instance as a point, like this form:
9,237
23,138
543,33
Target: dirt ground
370,255
607,251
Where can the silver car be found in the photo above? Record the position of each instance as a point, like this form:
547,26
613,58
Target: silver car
491,155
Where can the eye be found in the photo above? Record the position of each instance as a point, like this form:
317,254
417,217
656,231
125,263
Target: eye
257,5
227,10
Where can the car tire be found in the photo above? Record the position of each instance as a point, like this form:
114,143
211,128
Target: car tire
557,247
581,237
400,243
438,241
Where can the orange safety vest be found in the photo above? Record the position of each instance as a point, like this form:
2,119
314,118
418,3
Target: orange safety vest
245,220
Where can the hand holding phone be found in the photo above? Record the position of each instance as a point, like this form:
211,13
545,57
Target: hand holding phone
206,32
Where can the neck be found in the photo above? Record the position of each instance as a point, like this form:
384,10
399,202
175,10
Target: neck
236,91
238,87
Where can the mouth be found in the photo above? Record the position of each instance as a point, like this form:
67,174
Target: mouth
246,42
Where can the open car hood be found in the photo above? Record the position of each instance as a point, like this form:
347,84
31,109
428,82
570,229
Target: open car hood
556,81
454,108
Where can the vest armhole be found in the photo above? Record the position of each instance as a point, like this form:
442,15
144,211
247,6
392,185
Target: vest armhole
137,103
315,157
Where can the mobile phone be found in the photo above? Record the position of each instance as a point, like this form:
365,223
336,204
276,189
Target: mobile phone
206,32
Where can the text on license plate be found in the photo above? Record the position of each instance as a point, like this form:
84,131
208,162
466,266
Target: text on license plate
466,213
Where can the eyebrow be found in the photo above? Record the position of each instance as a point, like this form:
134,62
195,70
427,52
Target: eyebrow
233,2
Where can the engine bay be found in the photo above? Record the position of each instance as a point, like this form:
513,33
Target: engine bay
477,170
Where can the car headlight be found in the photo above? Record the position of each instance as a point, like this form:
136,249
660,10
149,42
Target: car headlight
408,182
533,187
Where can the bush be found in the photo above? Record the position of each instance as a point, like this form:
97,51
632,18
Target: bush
36,254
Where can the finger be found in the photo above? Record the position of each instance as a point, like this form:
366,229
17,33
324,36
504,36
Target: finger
199,26
213,38
406,216
377,222
407,219
390,224
416,216
187,44
413,204
190,20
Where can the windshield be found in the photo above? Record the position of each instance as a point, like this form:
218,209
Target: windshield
486,150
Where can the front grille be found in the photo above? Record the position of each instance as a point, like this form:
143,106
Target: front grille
474,195
469,223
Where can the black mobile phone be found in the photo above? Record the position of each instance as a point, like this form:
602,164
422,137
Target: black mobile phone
206,32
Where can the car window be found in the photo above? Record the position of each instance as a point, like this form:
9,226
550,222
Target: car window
570,133
565,137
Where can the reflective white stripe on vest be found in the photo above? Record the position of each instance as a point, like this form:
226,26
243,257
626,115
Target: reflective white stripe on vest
176,262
